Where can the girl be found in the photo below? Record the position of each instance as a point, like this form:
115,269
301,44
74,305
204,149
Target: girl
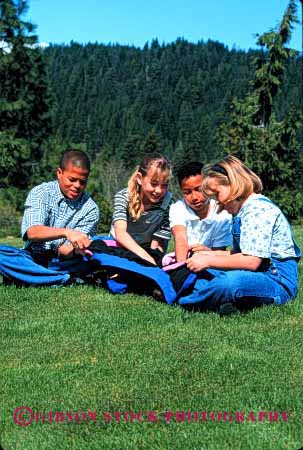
262,267
140,219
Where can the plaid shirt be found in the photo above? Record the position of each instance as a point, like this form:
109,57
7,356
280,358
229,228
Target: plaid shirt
46,205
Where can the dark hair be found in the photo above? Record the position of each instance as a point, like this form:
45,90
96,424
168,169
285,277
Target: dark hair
76,158
189,170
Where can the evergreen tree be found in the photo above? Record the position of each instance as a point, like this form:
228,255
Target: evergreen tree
151,144
179,156
24,99
131,150
268,146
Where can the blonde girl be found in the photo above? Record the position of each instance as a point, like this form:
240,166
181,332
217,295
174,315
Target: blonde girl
140,219
262,267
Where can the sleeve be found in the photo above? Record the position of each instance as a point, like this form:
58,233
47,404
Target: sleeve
164,230
256,232
222,236
88,224
120,206
177,215
35,210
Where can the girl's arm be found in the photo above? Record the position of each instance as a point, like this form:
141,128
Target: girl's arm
211,252
200,261
125,239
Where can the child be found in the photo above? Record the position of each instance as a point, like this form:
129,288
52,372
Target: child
60,216
262,268
140,219
59,220
195,221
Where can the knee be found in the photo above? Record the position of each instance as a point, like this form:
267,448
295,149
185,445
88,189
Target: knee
231,284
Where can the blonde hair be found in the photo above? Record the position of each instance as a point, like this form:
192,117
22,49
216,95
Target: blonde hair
230,171
161,169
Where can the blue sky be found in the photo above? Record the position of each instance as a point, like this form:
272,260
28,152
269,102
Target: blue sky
135,22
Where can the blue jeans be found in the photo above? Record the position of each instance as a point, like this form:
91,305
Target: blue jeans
278,284
18,265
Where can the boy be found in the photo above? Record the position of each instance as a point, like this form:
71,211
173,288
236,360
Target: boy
59,215
59,219
195,221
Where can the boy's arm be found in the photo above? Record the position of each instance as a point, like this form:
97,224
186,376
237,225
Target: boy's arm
77,239
181,242
35,228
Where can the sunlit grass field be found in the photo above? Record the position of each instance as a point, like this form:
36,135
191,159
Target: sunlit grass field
98,371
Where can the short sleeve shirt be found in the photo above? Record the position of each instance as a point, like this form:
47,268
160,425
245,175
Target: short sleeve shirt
265,231
214,231
46,205
121,213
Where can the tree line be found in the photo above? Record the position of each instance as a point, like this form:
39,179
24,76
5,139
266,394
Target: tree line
121,100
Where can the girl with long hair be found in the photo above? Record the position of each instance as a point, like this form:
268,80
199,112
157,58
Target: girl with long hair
140,219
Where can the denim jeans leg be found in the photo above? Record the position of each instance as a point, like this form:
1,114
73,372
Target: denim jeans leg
235,286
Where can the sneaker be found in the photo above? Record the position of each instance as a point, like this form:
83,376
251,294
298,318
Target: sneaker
227,309
158,295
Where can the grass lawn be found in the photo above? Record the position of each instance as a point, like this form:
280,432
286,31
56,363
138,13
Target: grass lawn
80,349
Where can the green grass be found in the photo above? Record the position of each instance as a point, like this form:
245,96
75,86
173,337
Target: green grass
12,240
82,349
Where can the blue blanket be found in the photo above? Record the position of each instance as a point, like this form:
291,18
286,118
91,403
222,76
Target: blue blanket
19,266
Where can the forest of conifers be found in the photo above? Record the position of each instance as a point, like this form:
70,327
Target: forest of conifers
119,100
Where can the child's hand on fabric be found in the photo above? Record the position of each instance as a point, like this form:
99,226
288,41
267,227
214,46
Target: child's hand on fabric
77,238
198,262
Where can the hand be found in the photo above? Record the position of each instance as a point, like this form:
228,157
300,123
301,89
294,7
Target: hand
197,262
78,239
150,259
198,248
